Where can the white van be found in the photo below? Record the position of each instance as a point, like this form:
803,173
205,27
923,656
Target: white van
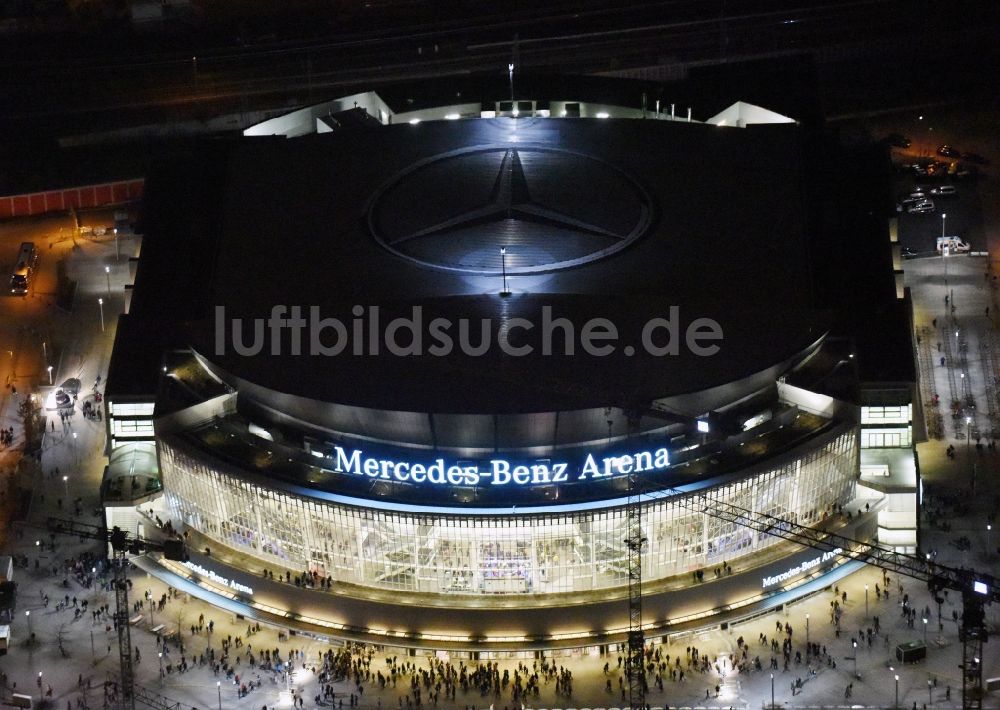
951,245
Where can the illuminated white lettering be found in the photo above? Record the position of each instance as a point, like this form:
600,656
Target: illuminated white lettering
589,467
501,471
540,473
521,475
435,472
343,463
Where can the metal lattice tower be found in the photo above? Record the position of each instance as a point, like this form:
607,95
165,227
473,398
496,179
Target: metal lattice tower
635,660
973,634
123,545
119,543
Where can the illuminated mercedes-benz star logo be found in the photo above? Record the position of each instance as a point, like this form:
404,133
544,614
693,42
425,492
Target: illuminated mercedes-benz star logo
551,209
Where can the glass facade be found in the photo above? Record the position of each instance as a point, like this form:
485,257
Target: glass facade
517,553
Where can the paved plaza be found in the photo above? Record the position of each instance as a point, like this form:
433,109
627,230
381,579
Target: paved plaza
76,651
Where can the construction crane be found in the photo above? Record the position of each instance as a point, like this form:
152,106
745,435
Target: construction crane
976,589
122,545
635,661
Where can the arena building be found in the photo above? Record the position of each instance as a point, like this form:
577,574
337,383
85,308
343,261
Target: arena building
390,368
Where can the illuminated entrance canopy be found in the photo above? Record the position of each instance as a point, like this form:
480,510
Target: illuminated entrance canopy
494,471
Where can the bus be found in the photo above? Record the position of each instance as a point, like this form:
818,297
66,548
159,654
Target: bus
24,269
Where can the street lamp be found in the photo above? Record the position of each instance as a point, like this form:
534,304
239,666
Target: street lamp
160,654
808,645
855,643
49,368
866,601
989,547
39,687
66,487
925,630
930,686
503,267
897,692
107,273
27,615
76,455
772,691
944,220
100,302
968,448
510,76
218,686
118,254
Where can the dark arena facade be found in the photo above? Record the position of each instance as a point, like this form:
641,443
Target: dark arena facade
390,363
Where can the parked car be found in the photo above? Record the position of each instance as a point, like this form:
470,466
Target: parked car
921,207
944,191
908,252
898,140
948,152
975,158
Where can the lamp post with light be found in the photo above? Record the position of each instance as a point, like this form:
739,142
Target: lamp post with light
218,686
27,615
100,302
49,368
855,644
107,273
968,450
66,487
897,692
160,654
503,268
925,630
930,687
989,535
772,691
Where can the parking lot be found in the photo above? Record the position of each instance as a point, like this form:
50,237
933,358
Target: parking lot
958,215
